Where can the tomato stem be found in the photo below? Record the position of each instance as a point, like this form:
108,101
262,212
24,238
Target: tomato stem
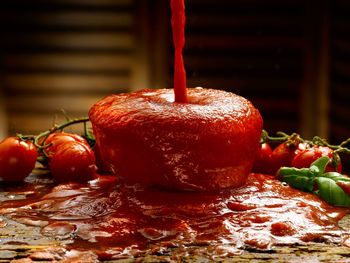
293,139
337,148
68,118
25,137
41,146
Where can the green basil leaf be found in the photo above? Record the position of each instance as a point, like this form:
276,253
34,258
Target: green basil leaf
302,182
331,192
305,178
336,177
319,166
298,178
294,171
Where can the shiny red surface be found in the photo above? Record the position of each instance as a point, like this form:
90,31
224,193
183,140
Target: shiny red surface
73,161
207,144
283,155
115,221
304,158
262,160
17,159
56,139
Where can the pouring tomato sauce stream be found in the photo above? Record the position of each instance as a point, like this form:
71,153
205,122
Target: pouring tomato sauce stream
178,25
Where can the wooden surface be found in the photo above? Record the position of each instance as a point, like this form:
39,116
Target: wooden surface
18,241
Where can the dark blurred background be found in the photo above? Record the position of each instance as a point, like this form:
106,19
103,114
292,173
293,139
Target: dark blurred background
291,58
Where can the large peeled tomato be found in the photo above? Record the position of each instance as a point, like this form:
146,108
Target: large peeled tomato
207,144
17,159
73,162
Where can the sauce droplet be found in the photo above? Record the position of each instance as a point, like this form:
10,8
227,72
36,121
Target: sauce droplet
178,25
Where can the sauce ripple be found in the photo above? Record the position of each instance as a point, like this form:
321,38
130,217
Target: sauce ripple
116,221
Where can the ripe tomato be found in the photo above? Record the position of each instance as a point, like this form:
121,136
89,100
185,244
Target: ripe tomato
56,139
283,155
17,159
304,158
262,160
73,162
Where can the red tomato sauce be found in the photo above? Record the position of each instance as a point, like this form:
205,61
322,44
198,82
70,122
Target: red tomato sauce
178,25
114,221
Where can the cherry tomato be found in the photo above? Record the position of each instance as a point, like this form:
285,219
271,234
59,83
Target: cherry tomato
262,160
73,162
283,155
56,139
17,159
304,158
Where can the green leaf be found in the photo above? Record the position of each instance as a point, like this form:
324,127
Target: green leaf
331,192
298,178
304,183
305,179
336,177
319,166
293,171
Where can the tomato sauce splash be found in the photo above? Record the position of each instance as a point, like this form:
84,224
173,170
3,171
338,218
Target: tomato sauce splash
115,221
178,25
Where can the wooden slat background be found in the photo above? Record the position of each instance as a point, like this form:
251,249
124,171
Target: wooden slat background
64,55
340,74
340,70
290,58
253,48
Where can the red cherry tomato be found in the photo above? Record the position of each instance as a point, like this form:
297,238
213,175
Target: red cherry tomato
262,160
304,158
73,162
17,159
56,139
283,155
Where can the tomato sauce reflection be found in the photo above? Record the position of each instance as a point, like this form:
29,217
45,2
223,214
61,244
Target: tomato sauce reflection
116,221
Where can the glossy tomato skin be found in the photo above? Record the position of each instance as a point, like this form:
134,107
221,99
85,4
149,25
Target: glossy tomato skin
283,155
262,160
73,162
304,158
17,159
56,139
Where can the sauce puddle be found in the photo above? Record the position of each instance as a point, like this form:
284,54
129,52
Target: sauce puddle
116,222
